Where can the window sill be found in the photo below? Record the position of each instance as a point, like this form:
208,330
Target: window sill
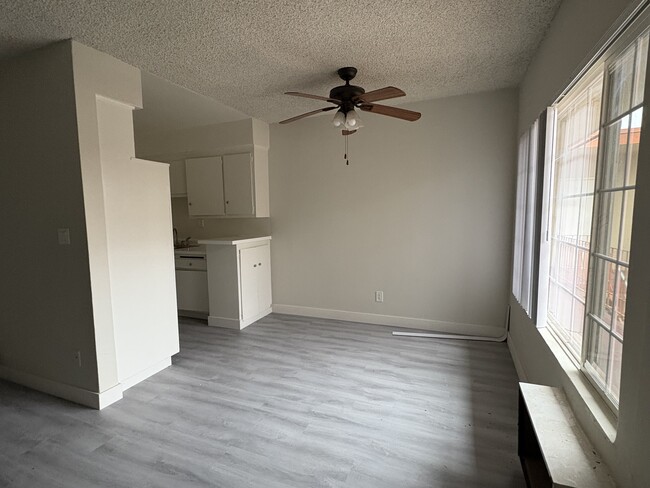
591,400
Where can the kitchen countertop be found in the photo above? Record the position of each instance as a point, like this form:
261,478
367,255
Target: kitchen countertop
233,240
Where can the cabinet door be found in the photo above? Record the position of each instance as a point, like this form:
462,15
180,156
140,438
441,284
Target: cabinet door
204,186
248,286
177,182
264,298
255,280
238,184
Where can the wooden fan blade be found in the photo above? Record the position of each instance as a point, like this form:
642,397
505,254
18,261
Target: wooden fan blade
348,132
313,112
398,113
315,97
381,94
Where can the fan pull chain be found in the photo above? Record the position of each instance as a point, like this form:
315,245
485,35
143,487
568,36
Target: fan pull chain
345,156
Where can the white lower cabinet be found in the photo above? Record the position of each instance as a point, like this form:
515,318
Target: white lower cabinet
239,281
255,264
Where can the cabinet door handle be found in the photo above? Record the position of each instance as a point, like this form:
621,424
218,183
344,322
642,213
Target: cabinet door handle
259,264
227,202
189,203
255,266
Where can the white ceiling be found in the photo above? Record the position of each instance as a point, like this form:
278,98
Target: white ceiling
245,54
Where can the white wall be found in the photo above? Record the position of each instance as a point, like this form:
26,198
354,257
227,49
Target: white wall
46,312
423,213
578,26
576,31
130,240
196,142
140,249
97,74
207,228
66,164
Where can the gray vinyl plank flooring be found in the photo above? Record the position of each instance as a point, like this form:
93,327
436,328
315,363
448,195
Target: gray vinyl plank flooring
287,402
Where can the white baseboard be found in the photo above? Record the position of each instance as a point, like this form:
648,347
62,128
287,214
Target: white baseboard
78,395
226,323
393,321
519,367
110,396
145,373
193,314
67,392
236,324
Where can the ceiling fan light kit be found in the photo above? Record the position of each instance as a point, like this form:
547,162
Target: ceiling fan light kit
348,97
350,120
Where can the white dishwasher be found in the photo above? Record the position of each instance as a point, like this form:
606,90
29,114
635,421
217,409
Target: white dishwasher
191,284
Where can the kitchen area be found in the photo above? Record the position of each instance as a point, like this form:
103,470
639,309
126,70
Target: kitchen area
220,212
226,280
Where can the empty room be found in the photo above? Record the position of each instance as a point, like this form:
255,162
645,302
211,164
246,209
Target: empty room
291,244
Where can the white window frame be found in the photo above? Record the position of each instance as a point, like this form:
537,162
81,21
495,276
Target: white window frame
641,26
630,33
548,197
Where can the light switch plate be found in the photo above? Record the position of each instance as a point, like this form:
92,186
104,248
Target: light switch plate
64,236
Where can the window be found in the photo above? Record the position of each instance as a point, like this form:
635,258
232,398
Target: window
525,245
614,204
573,178
590,200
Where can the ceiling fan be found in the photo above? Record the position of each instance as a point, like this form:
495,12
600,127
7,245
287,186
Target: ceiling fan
348,97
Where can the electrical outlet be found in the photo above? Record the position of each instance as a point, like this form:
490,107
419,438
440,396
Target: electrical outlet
77,357
379,296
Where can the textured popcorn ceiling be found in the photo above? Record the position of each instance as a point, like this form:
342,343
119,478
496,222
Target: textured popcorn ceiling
246,53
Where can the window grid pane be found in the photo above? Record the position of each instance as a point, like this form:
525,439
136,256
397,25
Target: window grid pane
574,172
614,202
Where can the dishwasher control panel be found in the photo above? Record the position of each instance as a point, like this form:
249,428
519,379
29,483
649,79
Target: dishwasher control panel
190,262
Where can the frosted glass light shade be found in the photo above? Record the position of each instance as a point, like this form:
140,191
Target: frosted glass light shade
352,121
339,119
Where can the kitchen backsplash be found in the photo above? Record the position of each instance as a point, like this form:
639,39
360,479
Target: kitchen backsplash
215,227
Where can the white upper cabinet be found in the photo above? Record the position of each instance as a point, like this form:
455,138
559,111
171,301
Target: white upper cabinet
205,186
177,182
242,147
233,185
239,184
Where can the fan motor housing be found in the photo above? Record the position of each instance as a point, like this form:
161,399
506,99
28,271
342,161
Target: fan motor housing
346,93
